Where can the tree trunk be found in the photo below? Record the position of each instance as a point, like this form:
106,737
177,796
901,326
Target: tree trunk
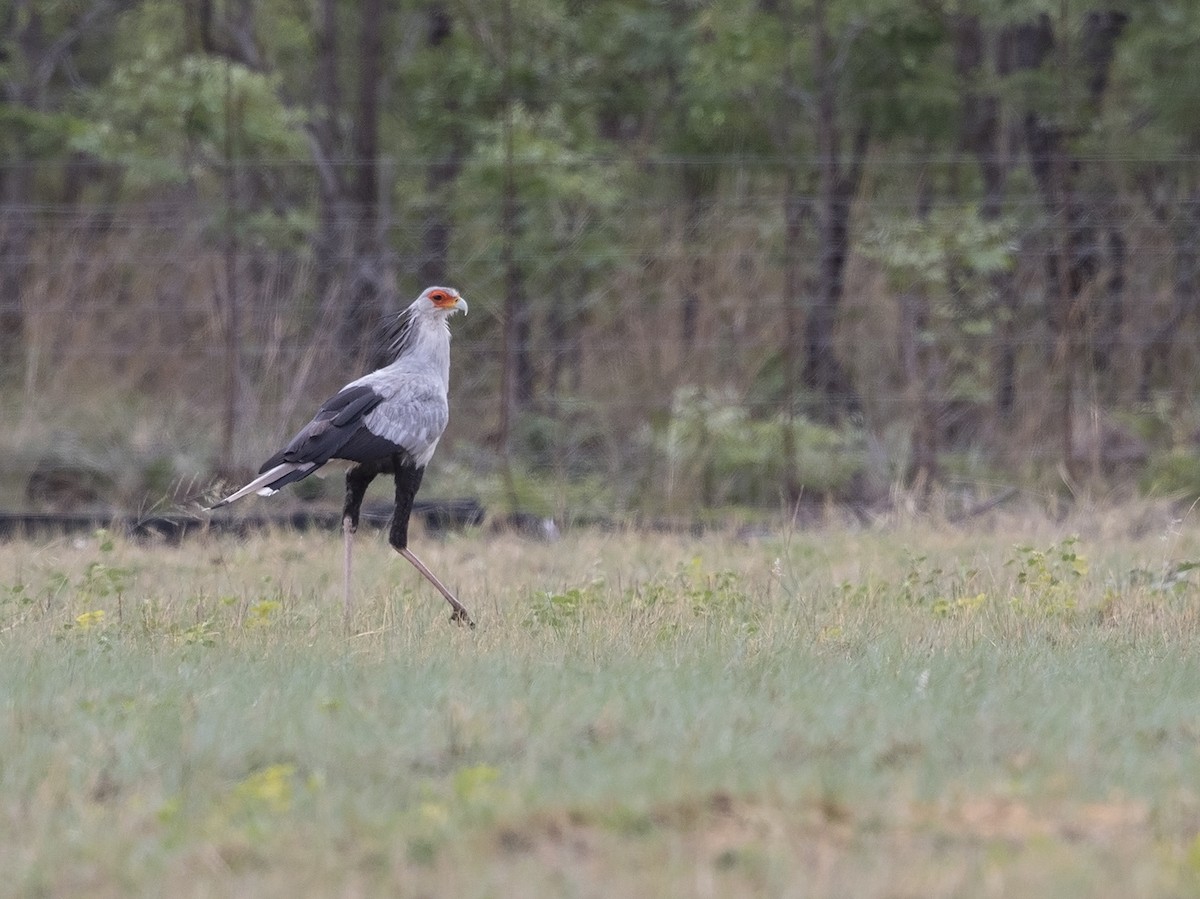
981,135
368,281
442,170
915,352
823,372
1110,315
16,235
838,175
352,273
233,299
1055,169
1182,220
517,369
328,89
1075,260
31,58
794,210
17,173
564,324
694,181
330,242
433,265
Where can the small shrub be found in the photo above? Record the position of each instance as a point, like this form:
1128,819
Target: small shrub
1051,578
550,609
102,579
717,454
1173,473
944,593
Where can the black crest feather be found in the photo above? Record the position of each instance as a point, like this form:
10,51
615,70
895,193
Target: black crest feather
395,335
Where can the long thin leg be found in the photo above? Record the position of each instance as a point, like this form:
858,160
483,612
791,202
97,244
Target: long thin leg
357,481
408,480
348,538
460,614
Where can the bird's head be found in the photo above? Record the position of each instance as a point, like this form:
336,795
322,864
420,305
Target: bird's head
443,301
427,314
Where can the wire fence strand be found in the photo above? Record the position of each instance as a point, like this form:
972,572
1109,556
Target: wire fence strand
657,342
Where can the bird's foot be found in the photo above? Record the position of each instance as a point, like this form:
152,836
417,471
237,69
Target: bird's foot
460,616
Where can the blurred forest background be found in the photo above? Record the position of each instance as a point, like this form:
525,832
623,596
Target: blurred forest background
718,254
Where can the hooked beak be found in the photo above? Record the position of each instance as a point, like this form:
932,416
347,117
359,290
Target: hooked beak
460,303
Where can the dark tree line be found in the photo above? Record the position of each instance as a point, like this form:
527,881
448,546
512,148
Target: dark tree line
1001,167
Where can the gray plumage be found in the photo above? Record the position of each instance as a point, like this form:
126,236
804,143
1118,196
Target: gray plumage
389,421
398,411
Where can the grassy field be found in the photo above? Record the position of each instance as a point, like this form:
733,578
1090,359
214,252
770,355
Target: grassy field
917,710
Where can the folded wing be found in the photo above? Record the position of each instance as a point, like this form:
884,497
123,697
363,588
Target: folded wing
360,424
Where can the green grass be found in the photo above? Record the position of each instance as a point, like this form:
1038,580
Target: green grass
910,712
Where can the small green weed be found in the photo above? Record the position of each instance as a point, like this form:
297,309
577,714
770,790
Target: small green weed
921,582
263,611
1051,578
102,579
943,592
719,594
1175,579
944,608
202,633
88,620
558,609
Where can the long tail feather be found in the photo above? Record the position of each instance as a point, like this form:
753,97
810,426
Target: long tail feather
263,484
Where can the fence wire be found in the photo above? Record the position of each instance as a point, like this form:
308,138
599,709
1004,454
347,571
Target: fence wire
666,345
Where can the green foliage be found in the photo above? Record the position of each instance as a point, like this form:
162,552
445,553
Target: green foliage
558,609
1049,580
952,250
958,591
900,77
1173,579
1156,73
634,51
1173,472
26,132
565,488
566,199
750,72
610,102
947,259
108,458
719,596
717,454
167,120
734,75
101,578
569,438
202,633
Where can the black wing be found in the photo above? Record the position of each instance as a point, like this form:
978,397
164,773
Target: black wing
336,424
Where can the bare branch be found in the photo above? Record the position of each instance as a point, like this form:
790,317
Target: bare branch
801,96
842,56
57,51
848,183
326,170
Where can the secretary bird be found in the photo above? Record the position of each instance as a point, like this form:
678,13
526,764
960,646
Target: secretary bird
387,422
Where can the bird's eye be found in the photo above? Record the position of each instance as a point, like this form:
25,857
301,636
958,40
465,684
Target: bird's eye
437,296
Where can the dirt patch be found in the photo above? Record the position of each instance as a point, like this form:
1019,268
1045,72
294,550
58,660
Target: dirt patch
1017,820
